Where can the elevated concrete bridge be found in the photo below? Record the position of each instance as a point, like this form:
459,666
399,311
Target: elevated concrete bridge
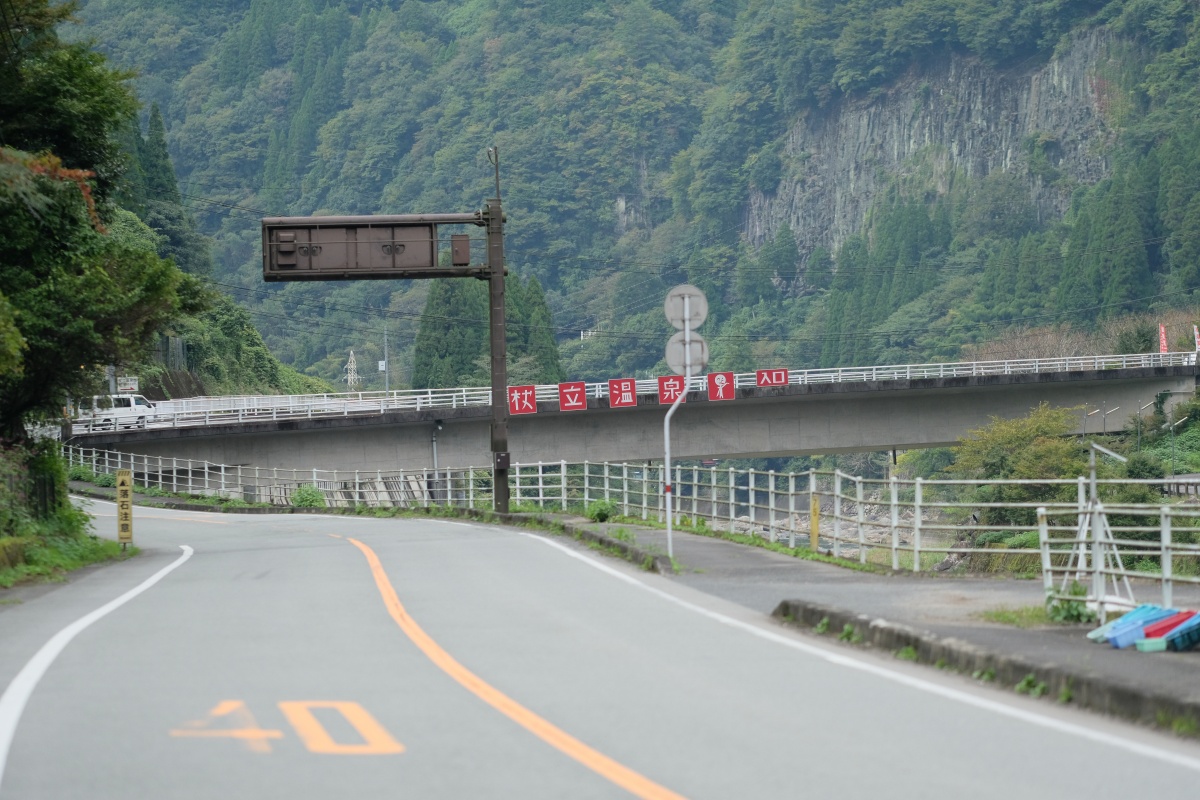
817,411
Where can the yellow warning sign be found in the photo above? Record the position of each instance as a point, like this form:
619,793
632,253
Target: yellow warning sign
124,506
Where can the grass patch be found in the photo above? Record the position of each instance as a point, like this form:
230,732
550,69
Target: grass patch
1031,686
1022,617
1180,726
907,653
59,545
750,540
622,535
850,634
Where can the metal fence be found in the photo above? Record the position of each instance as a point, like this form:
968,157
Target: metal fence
1015,526
203,411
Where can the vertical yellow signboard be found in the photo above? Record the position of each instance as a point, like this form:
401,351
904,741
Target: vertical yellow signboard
124,506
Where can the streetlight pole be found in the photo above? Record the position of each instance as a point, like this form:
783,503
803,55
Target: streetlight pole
1173,427
1139,418
1104,418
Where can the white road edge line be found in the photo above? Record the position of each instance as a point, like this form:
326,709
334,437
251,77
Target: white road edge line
12,702
898,677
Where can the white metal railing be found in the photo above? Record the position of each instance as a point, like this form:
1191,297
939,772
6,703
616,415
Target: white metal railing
902,524
203,411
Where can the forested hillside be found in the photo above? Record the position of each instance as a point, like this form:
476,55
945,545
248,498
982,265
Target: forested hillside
648,142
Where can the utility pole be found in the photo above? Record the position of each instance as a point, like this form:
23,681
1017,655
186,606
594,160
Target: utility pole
386,366
499,344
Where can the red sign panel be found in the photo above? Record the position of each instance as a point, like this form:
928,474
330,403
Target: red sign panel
772,377
572,396
669,389
522,399
720,386
622,393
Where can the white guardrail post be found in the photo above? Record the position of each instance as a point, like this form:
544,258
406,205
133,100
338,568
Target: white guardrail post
792,510
862,541
837,512
895,521
1165,558
916,527
771,502
1044,544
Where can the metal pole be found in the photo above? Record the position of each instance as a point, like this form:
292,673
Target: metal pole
386,367
792,510
687,378
625,488
494,215
895,522
1098,559
837,512
433,441
917,526
1044,544
732,493
814,512
1165,561
862,542
771,504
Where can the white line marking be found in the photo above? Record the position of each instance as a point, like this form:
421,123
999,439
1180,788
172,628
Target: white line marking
12,702
916,683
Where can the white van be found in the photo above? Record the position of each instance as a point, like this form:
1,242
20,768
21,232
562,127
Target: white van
117,411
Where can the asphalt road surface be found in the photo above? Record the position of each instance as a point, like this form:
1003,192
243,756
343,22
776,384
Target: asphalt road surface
338,657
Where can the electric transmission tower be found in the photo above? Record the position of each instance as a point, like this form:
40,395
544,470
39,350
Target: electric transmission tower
352,378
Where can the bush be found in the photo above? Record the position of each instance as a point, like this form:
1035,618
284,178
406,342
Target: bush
81,472
601,511
1026,540
308,496
105,479
988,538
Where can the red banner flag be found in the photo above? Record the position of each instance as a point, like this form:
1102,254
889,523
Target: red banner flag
1162,338
670,388
772,377
622,393
522,399
572,396
720,386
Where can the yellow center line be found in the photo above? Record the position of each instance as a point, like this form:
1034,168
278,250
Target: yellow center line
602,765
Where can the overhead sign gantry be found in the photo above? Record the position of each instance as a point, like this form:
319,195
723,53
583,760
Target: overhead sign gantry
404,246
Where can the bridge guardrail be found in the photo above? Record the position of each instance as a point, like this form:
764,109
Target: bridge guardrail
902,524
204,411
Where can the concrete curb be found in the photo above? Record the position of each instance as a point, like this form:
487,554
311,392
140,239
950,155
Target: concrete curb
645,559
1083,688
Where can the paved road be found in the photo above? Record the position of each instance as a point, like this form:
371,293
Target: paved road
335,657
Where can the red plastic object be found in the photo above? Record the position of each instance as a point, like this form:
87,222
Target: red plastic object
1163,627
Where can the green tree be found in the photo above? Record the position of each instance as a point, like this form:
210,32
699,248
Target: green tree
1036,446
61,98
82,296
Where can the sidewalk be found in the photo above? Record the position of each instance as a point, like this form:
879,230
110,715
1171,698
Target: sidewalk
939,617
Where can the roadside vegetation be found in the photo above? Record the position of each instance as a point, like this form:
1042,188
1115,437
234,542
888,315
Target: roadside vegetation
42,535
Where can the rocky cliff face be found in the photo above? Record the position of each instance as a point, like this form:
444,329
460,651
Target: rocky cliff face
954,116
